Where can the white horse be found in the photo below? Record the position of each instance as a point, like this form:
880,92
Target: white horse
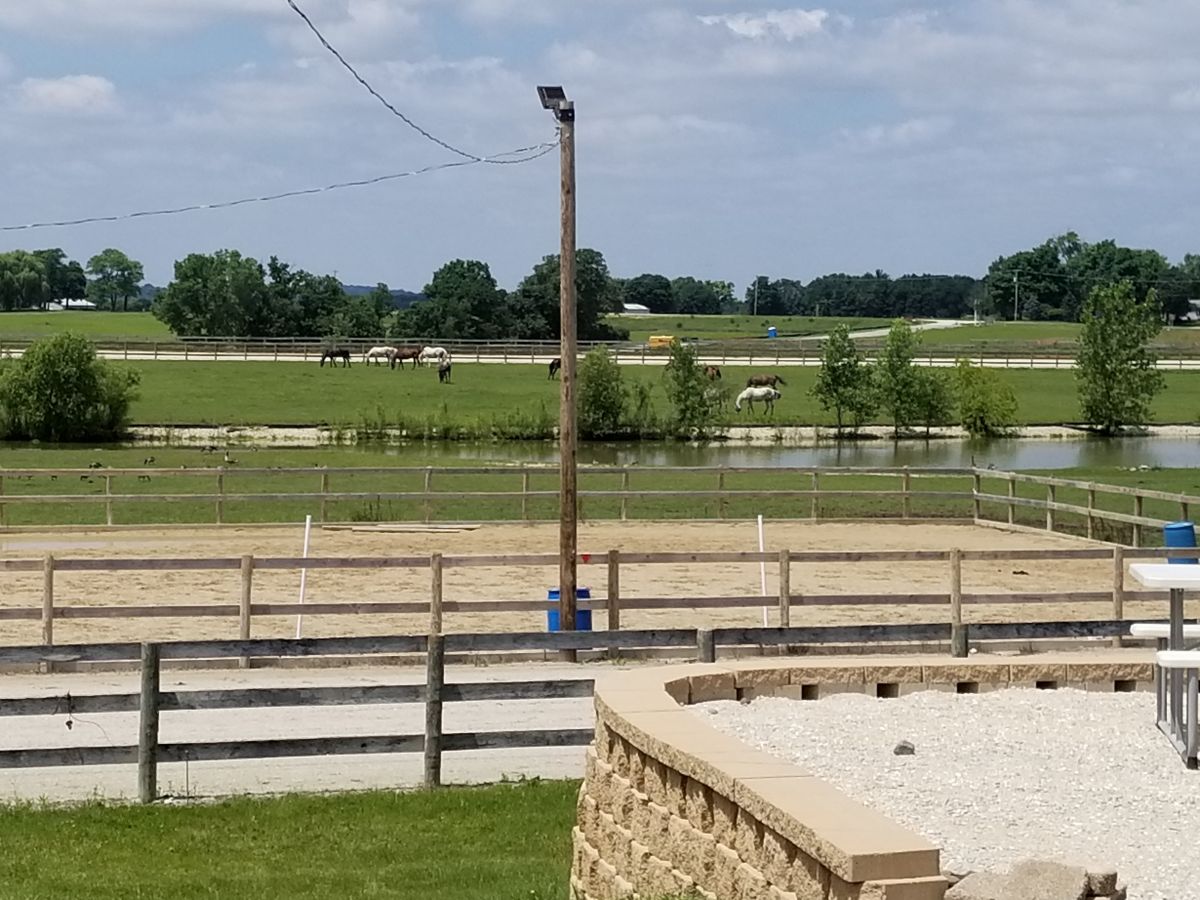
378,353
749,395
434,354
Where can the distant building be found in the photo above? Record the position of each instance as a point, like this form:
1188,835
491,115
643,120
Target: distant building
1193,313
60,305
635,309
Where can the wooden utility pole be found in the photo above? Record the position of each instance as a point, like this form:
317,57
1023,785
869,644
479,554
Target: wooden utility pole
568,534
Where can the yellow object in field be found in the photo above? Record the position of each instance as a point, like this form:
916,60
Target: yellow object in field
657,341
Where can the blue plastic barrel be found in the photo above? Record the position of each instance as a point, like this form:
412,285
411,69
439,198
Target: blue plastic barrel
583,617
1180,534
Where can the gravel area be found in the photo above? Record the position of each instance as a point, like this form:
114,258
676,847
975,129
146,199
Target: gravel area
1002,777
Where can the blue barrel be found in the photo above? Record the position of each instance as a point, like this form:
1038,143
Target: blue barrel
1180,534
583,617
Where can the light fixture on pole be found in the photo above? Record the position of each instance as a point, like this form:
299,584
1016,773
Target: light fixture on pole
554,98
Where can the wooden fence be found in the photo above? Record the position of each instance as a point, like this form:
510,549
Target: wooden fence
151,701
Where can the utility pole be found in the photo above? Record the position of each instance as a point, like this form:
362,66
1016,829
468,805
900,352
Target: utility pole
1016,296
756,281
555,99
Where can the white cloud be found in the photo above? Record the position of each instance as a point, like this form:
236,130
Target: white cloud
84,17
788,24
70,94
898,135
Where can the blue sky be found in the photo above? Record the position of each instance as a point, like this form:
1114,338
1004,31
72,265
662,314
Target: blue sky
716,139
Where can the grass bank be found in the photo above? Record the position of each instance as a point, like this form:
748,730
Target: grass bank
506,841
513,401
711,328
93,324
1041,337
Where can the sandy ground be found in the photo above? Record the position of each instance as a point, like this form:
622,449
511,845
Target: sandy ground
78,589
270,776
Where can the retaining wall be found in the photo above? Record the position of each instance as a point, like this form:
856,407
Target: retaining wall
671,808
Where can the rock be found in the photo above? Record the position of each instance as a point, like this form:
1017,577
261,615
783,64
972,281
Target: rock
904,748
954,877
1102,881
981,886
1039,880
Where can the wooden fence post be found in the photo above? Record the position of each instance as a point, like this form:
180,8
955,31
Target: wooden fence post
1012,495
976,489
3,515
785,589
625,495
148,726
324,496
722,502
524,496
906,487
435,594
48,607
1050,498
816,502
1118,592
958,632
706,648
435,679
428,488
220,496
1091,522
613,600
108,515
1137,528
244,606
1184,509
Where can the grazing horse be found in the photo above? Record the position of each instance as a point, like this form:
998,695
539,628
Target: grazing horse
712,373
555,365
400,354
444,372
767,395
429,354
377,353
333,356
765,381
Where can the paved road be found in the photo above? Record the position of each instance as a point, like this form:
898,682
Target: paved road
280,775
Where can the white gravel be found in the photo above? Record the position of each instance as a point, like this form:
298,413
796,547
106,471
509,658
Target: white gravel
1004,776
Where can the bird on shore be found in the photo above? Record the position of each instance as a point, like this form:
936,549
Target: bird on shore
229,460
148,461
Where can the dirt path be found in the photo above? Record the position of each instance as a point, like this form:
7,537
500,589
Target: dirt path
76,589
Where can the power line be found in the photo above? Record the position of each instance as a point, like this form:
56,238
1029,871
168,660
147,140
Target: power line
521,155
378,96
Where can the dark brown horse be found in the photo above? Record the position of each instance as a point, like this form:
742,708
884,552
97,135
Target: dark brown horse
712,373
765,381
333,356
403,353
555,365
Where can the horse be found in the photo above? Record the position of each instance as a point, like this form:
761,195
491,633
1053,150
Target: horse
429,354
444,372
555,365
333,356
765,381
712,373
767,395
400,354
375,353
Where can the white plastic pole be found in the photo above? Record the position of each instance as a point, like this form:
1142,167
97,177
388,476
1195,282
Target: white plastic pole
762,566
303,574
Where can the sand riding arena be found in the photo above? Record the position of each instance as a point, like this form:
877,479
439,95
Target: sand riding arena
99,605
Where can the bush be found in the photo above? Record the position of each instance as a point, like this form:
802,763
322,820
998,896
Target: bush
896,378
602,396
695,404
987,406
60,391
933,403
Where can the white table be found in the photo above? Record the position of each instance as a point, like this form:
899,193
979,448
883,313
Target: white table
1176,579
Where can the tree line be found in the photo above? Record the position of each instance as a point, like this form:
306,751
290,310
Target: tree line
31,279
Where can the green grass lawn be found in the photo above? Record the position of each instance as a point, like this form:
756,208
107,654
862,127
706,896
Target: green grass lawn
725,327
517,398
1019,337
93,324
507,842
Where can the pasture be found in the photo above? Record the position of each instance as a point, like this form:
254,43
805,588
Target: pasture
514,400
1040,337
94,324
711,328
505,842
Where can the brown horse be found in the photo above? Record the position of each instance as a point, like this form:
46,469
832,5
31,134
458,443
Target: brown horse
555,365
403,353
712,373
765,381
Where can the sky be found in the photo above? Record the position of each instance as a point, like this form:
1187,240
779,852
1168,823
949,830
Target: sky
716,139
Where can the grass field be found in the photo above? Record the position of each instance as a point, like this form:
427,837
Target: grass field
1023,337
507,842
517,399
93,324
722,327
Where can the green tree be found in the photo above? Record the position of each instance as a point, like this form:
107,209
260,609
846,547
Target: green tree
695,404
222,294
602,396
535,304
23,282
651,291
114,276
933,402
1115,370
844,385
60,391
987,406
65,278
463,302
896,378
